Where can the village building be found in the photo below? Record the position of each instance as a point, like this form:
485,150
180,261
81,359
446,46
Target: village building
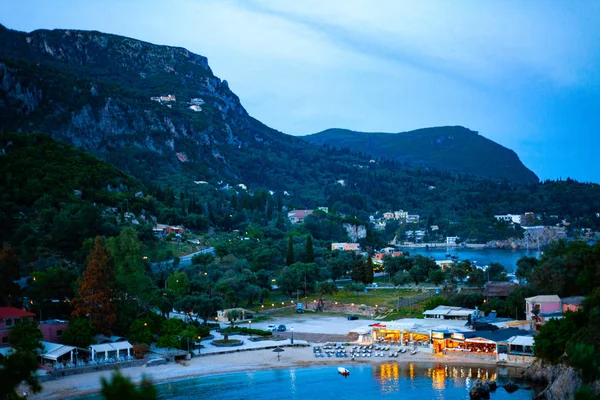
9,317
449,312
297,216
243,314
345,246
499,290
574,303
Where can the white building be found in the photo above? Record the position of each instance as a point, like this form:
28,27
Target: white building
514,218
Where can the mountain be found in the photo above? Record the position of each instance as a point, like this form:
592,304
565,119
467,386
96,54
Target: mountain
452,148
159,114
55,195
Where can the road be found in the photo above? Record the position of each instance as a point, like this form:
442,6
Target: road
184,261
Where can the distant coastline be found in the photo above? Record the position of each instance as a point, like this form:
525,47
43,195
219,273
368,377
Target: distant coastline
441,245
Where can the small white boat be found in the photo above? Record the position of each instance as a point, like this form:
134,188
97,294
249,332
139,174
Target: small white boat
343,371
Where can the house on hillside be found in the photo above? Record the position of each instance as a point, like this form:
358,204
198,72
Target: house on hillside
9,317
345,246
297,216
53,329
161,230
243,314
452,239
574,303
548,306
499,290
388,215
412,219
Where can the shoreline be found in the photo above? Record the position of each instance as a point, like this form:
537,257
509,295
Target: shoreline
476,246
245,361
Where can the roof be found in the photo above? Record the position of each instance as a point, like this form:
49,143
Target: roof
575,300
521,341
501,335
101,339
101,348
498,289
52,351
299,213
11,312
450,311
551,298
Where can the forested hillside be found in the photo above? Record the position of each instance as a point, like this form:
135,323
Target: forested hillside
452,148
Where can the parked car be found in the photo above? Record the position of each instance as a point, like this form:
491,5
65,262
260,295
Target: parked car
352,317
272,327
281,328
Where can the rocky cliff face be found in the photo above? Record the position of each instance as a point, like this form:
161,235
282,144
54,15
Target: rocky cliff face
105,93
561,381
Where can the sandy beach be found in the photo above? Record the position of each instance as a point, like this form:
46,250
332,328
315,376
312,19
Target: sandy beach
80,385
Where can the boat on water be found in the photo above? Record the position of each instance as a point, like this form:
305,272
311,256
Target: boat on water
343,371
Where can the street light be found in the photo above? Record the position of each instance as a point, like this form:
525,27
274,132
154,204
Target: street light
292,335
250,324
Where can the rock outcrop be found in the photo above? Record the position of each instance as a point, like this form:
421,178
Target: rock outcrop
562,381
479,390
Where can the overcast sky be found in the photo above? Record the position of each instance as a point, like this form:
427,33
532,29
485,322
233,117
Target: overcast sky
524,74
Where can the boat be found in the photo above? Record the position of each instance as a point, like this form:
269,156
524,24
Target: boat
343,371
454,256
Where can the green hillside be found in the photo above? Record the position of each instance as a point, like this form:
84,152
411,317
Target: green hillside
453,148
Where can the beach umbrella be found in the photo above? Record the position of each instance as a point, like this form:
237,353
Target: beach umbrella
278,351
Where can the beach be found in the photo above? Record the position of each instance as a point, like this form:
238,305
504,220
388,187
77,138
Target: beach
249,360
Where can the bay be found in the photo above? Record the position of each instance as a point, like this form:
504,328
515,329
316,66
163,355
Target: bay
508,258
387,381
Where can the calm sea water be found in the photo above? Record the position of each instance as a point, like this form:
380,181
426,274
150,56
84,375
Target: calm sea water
387,381
508,258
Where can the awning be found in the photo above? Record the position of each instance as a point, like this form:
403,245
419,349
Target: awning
101,348
58,352
121,345
521,341
480,341
104,347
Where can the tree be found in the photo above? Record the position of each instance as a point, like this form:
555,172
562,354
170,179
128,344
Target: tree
79,333
356,287
9,273
25,336
94,299
525,267
551,342
437,276
309,256
324,288
476,277
179,283
496,272
120,387
401,278
358,270
369,275
232,316
289,260
15,369
140,332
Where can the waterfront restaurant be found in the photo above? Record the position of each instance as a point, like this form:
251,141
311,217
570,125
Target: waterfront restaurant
481,342
418,333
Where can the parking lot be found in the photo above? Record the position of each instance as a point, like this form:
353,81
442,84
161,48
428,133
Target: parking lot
314,323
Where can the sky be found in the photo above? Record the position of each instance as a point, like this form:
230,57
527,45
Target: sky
524,74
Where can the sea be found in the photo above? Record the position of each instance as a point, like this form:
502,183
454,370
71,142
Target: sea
384,381
508,258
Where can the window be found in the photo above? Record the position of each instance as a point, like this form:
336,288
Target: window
59,333
4,339
8,322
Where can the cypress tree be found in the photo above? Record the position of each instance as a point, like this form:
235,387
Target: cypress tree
369,275
310,255
289,260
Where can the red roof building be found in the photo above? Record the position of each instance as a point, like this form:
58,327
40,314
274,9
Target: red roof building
9,316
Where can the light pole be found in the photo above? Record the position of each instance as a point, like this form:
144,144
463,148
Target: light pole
250,324
292,335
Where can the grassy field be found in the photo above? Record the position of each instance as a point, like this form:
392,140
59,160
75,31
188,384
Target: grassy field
374,298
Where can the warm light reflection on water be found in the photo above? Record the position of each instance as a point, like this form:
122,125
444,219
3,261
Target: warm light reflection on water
390,375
